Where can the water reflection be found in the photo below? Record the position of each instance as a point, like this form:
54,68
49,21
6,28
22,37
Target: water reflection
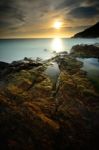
15,49
53,72
57,45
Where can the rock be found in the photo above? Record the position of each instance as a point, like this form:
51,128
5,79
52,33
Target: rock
3,68
3,65
33,115
85,51
17,66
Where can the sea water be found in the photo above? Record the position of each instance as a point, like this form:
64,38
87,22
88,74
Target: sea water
16,49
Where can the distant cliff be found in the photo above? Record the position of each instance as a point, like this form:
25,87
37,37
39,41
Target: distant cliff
91,32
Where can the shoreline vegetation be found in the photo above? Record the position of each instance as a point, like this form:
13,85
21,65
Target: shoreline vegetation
37,113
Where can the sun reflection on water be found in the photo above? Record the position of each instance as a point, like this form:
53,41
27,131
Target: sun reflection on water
57,45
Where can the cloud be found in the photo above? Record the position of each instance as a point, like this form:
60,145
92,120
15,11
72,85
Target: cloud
4,24
92,2
18,16
10,15
67,3
83,12
25,12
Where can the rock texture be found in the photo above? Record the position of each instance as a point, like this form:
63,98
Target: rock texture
35,116
85,51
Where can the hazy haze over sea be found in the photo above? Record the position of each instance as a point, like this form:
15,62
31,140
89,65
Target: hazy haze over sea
16,49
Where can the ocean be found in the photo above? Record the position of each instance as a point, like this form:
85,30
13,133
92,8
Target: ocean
16,49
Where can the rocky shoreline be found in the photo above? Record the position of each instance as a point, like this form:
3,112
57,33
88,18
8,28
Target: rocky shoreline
85,51
36,113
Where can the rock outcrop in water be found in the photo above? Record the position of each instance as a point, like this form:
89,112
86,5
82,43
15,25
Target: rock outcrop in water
85,51
35,116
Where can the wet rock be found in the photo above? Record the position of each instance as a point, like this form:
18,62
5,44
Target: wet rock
24,64
85,51
33,115
3,68
17,66
3,65
69,64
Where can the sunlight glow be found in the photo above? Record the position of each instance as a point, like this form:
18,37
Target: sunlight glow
57,45
57,25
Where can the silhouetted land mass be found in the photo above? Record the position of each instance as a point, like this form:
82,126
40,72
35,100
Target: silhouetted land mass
92,32
35,115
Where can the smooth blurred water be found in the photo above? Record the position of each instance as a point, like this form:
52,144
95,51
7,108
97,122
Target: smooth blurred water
16,49
91,66
53,72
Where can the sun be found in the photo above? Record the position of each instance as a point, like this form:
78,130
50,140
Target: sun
57,25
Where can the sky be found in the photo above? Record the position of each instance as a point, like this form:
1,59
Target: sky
36,18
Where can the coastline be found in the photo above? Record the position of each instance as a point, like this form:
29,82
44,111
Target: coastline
55,116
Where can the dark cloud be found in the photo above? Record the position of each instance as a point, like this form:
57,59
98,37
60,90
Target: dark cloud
7,7
83,12
92,2
4,24
10,15
71,4
68,3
